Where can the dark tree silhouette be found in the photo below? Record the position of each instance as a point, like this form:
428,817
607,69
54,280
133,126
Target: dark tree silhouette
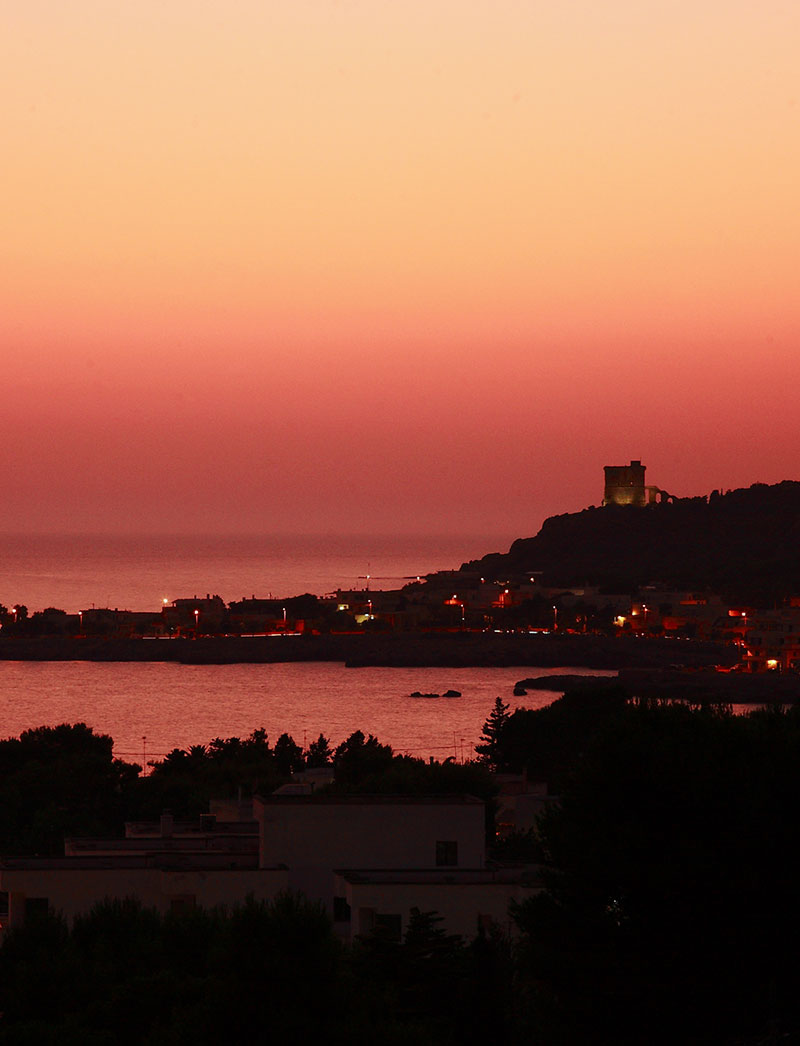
288,756
358,757
319,753
59,781
673,871
490,748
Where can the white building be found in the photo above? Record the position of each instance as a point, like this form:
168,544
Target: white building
168,882
369,859
468,900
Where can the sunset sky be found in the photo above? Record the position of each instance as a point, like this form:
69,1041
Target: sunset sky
392,267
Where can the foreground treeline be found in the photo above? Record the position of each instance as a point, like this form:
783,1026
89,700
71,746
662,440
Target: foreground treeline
671,861
266,972
672,866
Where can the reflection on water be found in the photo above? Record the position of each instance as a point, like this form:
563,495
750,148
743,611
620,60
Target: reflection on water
180,705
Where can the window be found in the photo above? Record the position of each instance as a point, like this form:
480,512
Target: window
380,924
366,920
341,910
487,923
446,853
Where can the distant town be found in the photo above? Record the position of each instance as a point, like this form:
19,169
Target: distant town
532,590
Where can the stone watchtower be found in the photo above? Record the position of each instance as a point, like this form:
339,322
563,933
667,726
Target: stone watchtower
625,485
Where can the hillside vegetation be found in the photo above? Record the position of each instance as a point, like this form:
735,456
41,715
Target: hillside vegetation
744,544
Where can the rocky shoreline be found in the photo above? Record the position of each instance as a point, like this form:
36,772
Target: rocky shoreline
696,687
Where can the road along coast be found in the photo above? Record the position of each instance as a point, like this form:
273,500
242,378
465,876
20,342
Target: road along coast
425,649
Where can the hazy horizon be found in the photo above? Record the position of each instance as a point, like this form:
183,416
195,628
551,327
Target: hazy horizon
322,532
138,572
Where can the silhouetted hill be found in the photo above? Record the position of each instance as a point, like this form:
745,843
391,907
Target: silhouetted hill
744,544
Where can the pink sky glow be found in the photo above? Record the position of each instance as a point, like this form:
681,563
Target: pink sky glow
379,267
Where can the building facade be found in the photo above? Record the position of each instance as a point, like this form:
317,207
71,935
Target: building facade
369,859
625,484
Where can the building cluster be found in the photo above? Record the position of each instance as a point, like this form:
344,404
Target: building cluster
369,859
460,601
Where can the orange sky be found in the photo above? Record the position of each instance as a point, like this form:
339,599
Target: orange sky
392,267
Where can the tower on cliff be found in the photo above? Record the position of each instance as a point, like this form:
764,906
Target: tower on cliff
625,484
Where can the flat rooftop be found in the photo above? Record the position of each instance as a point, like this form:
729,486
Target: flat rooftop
132,862
527,875
367,799
152,829
168,844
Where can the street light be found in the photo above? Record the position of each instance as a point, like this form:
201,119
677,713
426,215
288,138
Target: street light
196,622
455,601
555,618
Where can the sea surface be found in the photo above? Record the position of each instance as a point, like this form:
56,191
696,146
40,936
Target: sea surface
151,708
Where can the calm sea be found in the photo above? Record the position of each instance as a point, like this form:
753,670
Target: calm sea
151,708
175,706
137,573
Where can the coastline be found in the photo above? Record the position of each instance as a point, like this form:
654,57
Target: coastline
696,686
426,649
